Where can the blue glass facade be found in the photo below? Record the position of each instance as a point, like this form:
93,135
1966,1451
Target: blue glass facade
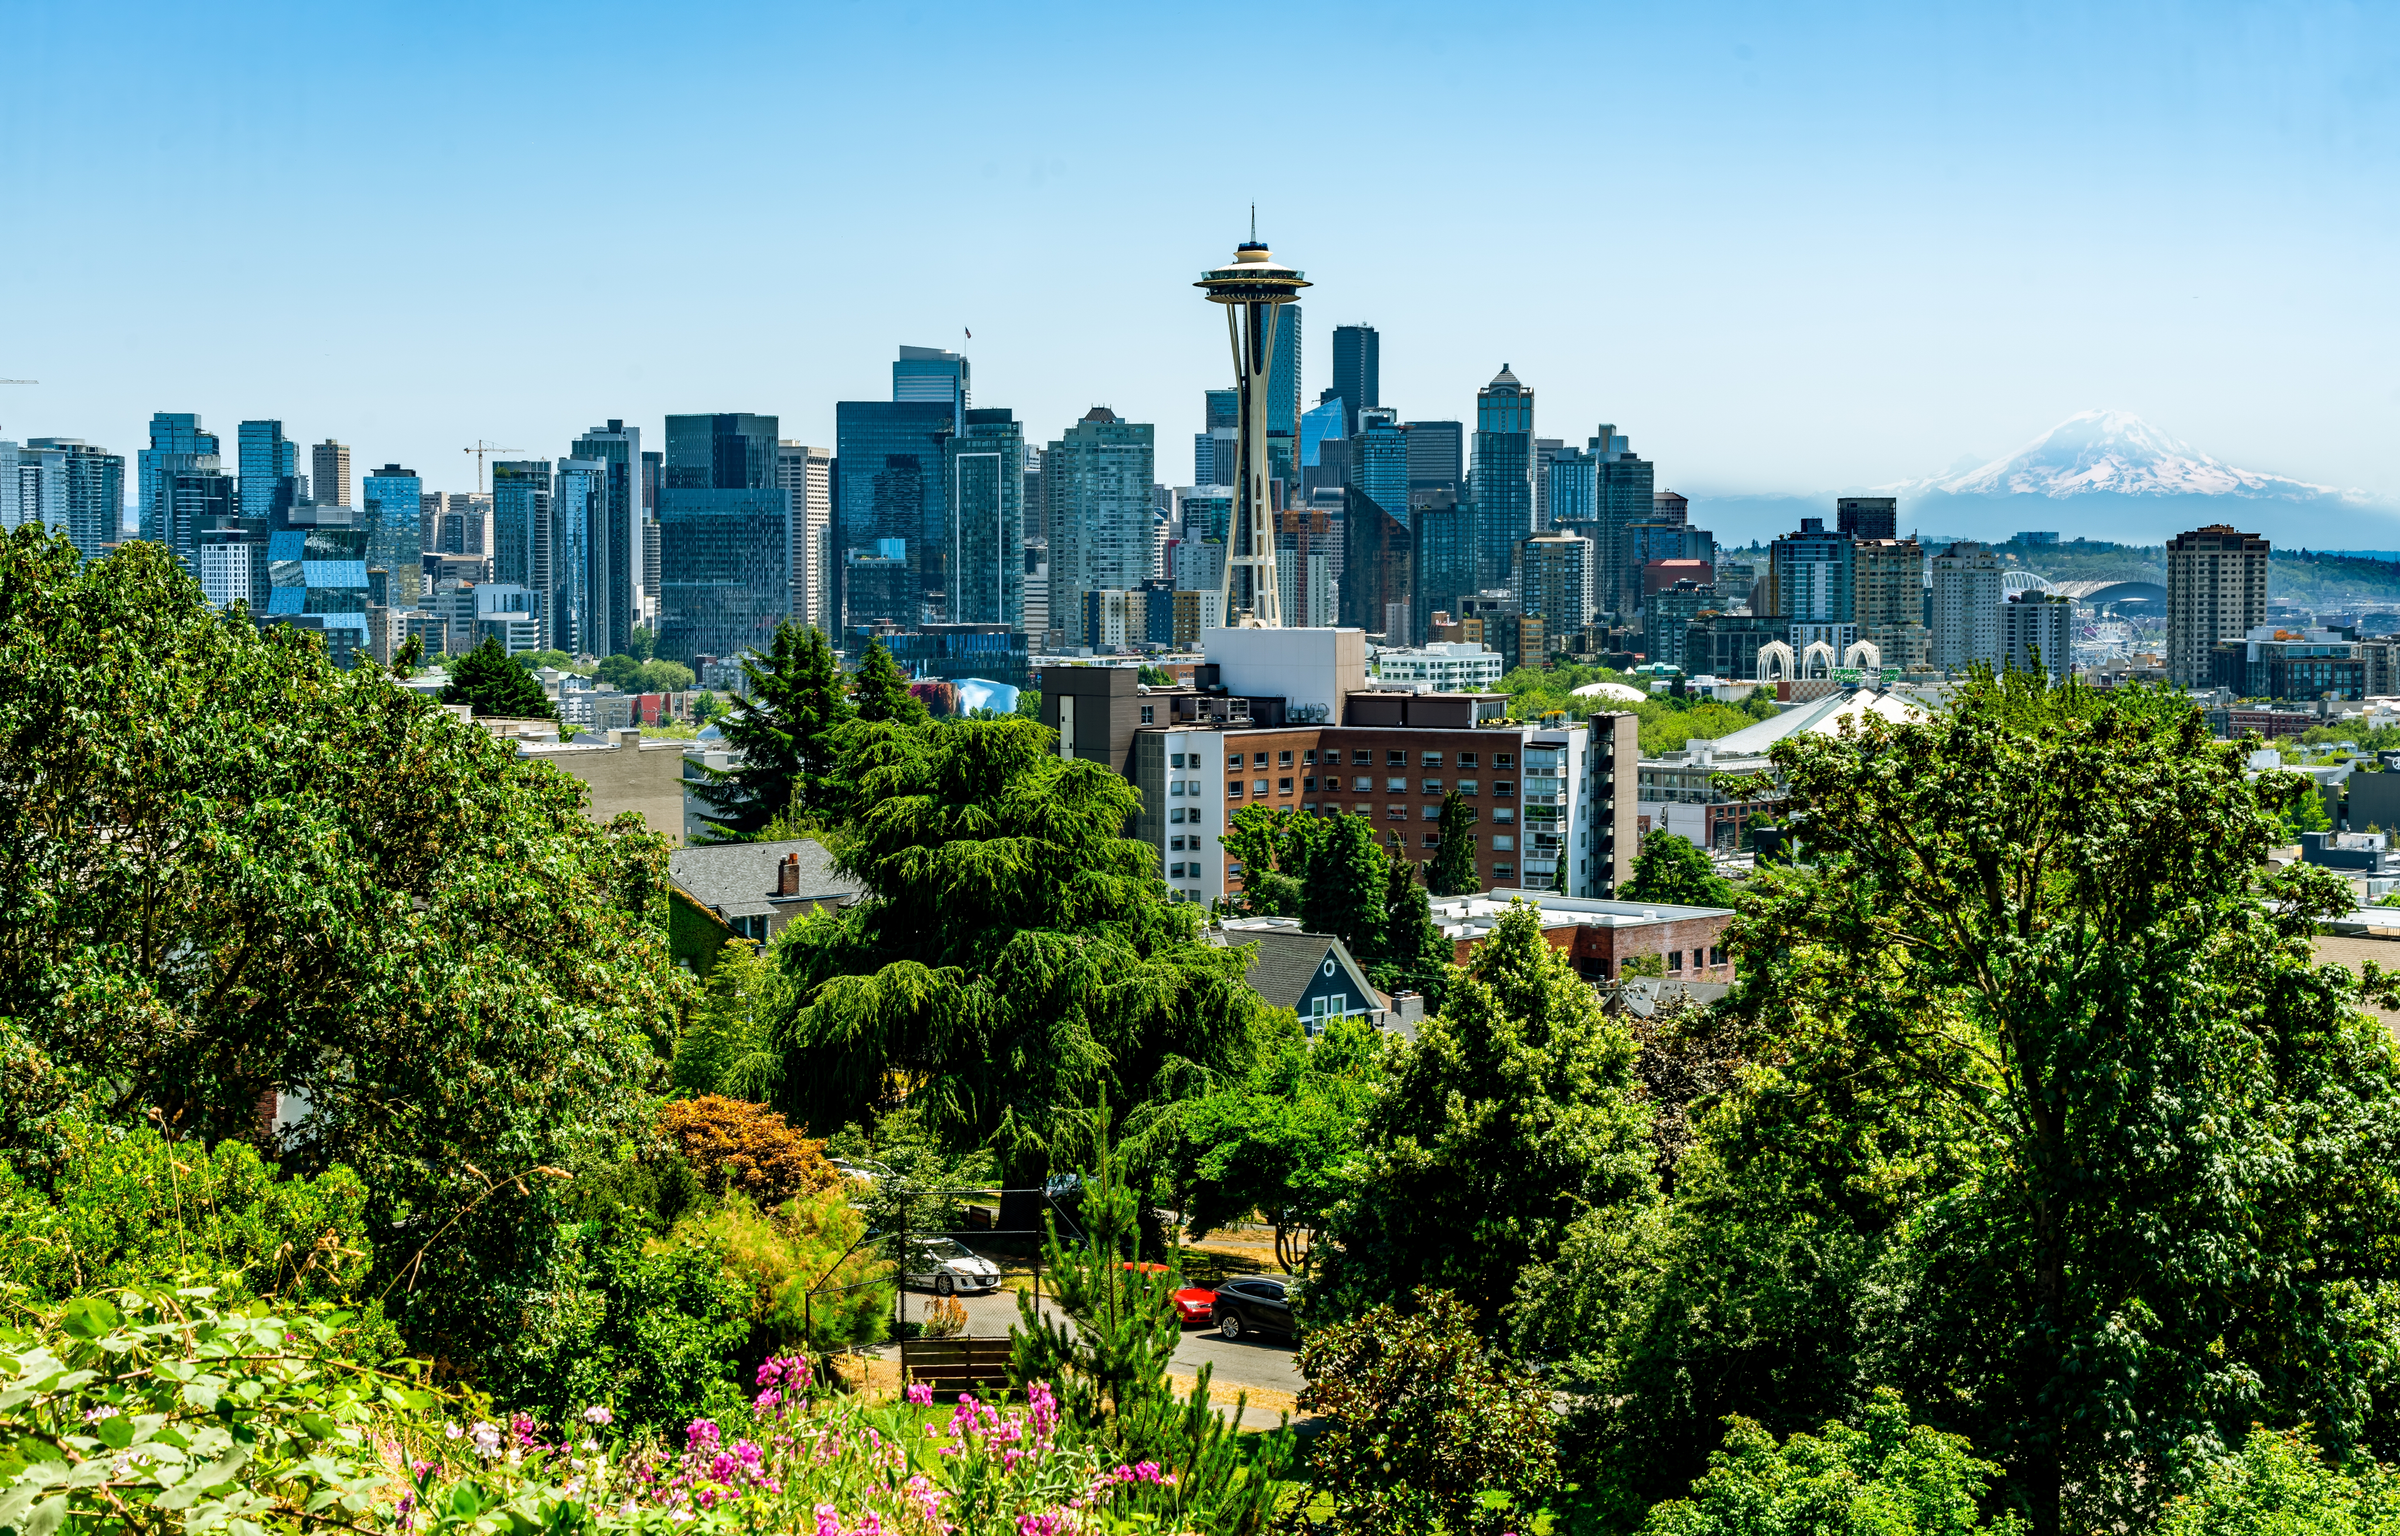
1357,371
269,466
317,576
177,444
1325,419
1623,494
521,522
394,522
1446,562
1502,479
73,485
1283,383
617,537
728,451
889,494
1574,488
929,373
1379,467
724,558
985,468
571,607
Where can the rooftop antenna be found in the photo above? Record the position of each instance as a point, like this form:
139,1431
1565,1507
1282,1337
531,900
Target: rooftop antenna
1254,223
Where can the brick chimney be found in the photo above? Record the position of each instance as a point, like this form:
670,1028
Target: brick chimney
787,876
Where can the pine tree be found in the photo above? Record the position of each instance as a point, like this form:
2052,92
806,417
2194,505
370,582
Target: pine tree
880,688
783,727
495,685
1453,872
1415,957
1346,886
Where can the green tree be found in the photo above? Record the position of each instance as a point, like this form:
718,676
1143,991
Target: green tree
1013,955
728,1047
1673,869
1155,677
236,868
1453,872
488,680
784,726
1414,956
879,689
2278,1486
1346,881
644,642
1890,1478
1425,1429
2047,913
1275,849
1513,1113
663,677
621,671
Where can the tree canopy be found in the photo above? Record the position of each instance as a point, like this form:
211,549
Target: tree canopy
485,678
1673,869
784,725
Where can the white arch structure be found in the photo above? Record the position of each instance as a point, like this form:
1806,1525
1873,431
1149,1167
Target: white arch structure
1865,655
1817,660
1775,663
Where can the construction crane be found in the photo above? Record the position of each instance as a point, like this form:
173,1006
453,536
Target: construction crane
480,449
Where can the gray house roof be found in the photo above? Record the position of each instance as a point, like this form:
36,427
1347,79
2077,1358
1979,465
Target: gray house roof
738,879
1284,960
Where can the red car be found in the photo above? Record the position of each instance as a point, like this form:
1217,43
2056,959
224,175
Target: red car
1193,1304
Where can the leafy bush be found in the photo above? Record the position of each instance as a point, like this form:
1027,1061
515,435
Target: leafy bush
2278,1486
744,1148
1423,1425
776,1256
1887,1479
728,1047
650,1332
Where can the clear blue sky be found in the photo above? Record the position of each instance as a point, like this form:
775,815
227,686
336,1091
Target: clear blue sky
1786,247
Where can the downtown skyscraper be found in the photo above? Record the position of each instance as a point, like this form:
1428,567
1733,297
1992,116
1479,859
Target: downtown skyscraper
1501,480
983,469
1357,371
614,582
891,521
724,537
177,446
1097,477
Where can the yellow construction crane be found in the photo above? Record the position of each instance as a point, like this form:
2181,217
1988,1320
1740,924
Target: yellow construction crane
480,449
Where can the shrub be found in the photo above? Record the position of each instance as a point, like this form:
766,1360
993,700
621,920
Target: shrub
738,1147
2277,1486
774,1257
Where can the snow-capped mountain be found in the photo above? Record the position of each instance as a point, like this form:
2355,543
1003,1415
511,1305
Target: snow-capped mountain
2118,453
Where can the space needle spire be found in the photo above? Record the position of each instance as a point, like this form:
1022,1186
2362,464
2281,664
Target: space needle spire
1250,287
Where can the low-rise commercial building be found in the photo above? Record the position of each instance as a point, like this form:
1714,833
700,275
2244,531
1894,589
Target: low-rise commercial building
1602,936
1445,666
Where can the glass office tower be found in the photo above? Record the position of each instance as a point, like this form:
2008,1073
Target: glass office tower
1379,464
576,605
177,444
1624,494
1502,477
724,536
1437,457
1326,419
616,583
269,467
521,523
1574,488
67,483
929,373
316,571
394,520
889,504
1357,370
984,467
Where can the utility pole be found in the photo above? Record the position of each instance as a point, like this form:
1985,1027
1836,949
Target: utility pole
480,449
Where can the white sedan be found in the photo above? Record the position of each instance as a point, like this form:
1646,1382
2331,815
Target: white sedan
948,1267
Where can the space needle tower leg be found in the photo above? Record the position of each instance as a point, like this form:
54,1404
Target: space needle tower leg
1250,288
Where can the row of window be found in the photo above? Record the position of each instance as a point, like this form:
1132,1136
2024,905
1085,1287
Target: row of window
1360,757
1502,789
1715,953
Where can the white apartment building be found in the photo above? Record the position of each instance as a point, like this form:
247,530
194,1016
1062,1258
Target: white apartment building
1446,666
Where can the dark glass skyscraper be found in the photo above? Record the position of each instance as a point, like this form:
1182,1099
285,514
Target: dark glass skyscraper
984,467
929,373
889,505
177,445
521,523
1379,465
1437,457
616,577
269,467
1283,385
1502,477
394,520
75,485
1357,370
1623,496
724,537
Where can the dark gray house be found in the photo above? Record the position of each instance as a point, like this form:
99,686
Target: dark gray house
1314,975
754,889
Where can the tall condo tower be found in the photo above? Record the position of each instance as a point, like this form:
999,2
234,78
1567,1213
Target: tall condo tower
1250,288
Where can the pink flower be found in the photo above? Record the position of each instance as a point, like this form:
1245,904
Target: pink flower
597,1414
700,1435
920,1394
829,1521
766,1400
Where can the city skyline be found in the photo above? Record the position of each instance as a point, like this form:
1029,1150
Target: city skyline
1885,213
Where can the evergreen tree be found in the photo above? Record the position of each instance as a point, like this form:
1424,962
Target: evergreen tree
783,727
1453,872
1346,884
1415,957
879,691
1673,869
494,685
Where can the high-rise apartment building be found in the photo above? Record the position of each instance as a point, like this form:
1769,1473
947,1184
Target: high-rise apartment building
1501,479
329,474
177,444
2037,633
1888,586
465,526
1554,582
572,610
1624,494
1096,477
1357,372
891,519
75,486
616,579
392,521
983,469
1571,490
1283,387
1811,579
724,536
521,524
1966,608
2216,590
807,475
1544,450
1867,517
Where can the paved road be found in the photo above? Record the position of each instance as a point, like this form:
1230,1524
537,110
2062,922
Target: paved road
1247,1362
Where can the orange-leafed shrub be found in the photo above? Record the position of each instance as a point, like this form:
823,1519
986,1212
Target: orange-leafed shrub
735,1145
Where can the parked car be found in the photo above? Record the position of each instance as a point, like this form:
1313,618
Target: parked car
1260,1306
949,1267
1195,1304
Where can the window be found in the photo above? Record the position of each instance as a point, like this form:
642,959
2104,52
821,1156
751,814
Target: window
1361,759
1716,954
1395,813
1466,759
1396,759
1283,759
1310,756
1258,786
1503,787
1504,844
1283,786
1175,813
1233,789
1504,814
1504,872
1674,959
1175,843
1195,817
1195,762
1433,759
1175,871
1395,785
1361,784
1468,788
1309,785
1174,759
1433,786
1433,840
1503,759
1258,759
1149,714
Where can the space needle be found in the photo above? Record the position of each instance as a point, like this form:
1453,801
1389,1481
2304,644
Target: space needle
1250,288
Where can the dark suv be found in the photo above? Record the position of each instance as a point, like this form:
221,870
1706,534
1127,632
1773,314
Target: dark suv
1255,1306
